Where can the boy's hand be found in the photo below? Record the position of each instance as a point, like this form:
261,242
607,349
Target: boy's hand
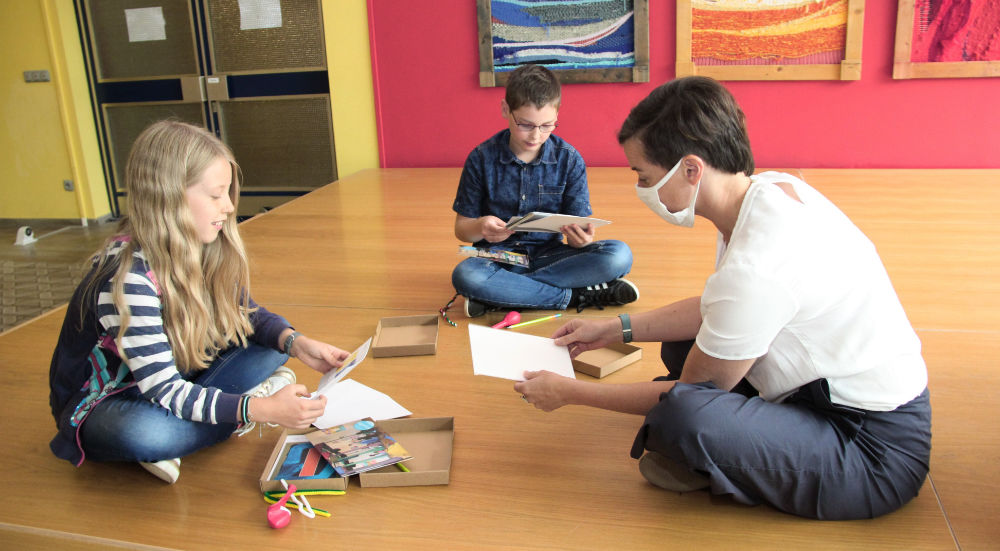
576,236
494,229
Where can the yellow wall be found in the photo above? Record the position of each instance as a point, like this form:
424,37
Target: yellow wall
34,154
77,109
352,99
48,131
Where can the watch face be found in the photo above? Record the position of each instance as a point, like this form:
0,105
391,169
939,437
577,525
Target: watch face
289,340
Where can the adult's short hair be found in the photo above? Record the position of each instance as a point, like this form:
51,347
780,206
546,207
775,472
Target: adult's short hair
691,116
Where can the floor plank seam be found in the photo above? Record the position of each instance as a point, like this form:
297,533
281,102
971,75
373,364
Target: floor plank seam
947,520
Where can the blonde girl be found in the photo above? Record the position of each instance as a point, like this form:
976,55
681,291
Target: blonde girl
163,351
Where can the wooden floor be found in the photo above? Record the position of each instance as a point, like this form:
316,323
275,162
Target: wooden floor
380,244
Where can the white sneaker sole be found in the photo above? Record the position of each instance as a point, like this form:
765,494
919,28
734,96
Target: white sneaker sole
167,470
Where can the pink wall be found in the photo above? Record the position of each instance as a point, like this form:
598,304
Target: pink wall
432,112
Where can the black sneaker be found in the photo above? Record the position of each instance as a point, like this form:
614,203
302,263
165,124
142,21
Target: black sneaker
616,293
474,308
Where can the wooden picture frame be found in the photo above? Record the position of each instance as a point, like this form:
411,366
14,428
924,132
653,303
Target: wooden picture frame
903,66
849,68
638,72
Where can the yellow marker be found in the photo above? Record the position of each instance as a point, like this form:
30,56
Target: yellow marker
523,323
402,467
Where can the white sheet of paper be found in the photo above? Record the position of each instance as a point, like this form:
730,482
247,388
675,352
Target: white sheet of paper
260,14
331,377
350,400
508,354
145,24
551,222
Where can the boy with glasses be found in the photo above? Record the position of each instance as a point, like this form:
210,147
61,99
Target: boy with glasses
522,169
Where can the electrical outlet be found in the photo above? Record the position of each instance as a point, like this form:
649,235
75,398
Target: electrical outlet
68,185
36,76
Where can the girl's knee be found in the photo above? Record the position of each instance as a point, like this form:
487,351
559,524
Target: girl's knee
118,440
156,443
238,369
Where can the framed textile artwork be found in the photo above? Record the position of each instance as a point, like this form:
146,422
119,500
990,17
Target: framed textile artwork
770,39
580,40
947,39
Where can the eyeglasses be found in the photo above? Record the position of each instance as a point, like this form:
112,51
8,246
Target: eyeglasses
529,128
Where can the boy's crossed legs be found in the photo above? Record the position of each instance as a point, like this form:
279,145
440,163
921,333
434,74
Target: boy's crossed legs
558,277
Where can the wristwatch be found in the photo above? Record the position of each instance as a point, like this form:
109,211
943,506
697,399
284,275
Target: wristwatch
626,328
288,342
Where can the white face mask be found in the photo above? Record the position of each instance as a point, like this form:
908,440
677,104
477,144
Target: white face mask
650,196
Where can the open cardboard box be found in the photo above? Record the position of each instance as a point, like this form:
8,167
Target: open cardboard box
429,440
604,361
269,482
406,336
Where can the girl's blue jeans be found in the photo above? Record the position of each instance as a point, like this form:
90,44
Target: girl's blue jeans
128,427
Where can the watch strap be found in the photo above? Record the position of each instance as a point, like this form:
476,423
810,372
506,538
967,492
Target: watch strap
287,348
626,327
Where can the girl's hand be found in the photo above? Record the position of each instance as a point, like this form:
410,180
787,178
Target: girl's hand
318,355
583,335
288,407
545,390
576,236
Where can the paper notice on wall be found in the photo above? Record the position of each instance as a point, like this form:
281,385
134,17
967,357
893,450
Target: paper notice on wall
145,24
260,14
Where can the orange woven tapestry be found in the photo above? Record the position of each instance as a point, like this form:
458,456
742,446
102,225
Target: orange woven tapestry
768,32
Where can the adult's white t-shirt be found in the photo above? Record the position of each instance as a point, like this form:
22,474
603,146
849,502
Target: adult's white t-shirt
802,289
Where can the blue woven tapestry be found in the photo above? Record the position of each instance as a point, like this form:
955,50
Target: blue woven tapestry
567,34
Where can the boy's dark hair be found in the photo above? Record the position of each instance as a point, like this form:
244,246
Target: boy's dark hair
691,116
532,84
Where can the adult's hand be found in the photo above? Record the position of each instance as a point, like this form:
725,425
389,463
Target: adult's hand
583,335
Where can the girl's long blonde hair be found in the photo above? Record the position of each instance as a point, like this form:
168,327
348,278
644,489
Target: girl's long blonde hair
204,288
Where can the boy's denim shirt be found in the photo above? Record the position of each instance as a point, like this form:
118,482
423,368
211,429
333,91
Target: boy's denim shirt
494,181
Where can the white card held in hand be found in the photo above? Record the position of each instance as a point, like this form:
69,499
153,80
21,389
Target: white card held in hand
508,354
331,377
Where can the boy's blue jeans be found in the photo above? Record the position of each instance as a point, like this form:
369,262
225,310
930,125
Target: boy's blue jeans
128,427
547,284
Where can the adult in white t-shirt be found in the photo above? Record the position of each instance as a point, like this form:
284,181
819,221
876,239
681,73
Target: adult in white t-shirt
795,379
